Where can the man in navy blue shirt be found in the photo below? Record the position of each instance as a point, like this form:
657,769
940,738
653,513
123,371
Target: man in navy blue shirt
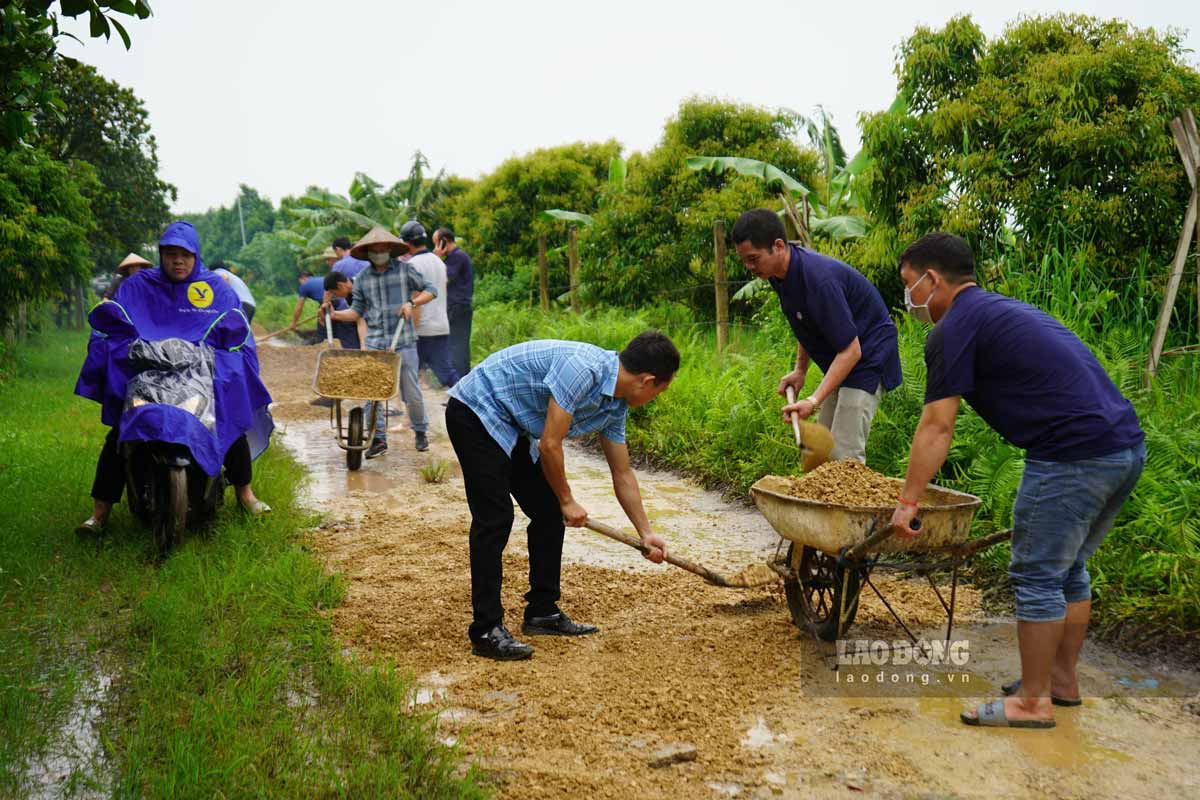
839,321
460,291
346,264
1040,388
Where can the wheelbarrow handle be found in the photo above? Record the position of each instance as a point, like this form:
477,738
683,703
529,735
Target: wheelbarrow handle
636,544
329,326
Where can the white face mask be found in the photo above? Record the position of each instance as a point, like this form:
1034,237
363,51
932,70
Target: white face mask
379,257
920,312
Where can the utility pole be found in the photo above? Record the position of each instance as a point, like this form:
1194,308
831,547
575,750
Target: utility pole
241,221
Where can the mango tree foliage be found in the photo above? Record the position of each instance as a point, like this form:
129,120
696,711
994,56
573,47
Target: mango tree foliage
501,213
45,222
1057,128
107,126
654,238
29,32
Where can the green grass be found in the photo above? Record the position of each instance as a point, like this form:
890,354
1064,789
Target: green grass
720,423
226,678
275,312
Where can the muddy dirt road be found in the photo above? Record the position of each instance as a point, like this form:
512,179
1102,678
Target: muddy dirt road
717,680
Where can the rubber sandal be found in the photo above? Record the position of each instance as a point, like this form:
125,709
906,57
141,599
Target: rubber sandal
1010,689
257,509
90,528
991,715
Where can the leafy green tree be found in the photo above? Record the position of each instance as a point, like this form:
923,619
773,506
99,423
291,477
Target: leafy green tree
501,213
654,237
107,126
220,229
45,228
1058,129
28,46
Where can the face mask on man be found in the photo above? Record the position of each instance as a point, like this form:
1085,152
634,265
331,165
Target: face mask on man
920,312
379,257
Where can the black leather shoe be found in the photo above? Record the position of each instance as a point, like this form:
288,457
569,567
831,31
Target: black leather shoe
556,625
498,644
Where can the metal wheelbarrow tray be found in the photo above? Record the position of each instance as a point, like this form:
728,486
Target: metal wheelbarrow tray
831,550
355,437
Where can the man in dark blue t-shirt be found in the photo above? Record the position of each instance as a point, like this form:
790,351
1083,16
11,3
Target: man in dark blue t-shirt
1040,388
839,321
310,288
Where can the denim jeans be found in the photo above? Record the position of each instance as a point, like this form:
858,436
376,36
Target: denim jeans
410,392
434,352
1063,511
460,315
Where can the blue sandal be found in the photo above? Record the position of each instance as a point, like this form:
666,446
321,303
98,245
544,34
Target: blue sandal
991,715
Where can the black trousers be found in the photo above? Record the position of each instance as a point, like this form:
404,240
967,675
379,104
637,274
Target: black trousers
109,483
492,477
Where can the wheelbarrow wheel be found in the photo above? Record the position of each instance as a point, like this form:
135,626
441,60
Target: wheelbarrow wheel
814,592
354,438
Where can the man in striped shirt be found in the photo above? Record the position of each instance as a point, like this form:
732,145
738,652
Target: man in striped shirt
507,420
385,296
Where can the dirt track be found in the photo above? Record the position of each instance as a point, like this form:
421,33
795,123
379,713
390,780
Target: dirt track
716,672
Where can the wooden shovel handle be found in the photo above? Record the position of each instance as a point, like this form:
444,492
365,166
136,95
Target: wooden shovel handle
636,544
304,321
791,398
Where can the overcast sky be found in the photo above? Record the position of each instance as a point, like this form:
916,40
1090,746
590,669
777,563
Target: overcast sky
283,94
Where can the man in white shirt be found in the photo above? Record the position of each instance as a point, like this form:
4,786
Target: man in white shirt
433,327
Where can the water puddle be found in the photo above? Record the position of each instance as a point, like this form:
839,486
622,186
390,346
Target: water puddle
313,444
74,764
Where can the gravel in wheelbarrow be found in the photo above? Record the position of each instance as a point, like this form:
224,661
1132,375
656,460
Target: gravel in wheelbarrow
357,374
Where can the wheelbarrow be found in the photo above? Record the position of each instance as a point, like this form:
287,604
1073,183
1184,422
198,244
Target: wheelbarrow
356,435
828,551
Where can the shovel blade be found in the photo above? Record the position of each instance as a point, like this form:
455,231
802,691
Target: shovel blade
816,443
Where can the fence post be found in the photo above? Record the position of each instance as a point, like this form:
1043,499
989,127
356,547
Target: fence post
721,286
573,261
543,274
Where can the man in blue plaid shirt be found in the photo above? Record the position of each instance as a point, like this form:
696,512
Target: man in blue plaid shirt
385,296
507,420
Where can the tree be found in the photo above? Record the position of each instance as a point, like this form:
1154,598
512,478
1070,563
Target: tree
107,126
28,33
501,212
45,229
220,229
1058,126
655,235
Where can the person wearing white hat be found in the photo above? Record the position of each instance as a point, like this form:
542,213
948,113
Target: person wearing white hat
386,296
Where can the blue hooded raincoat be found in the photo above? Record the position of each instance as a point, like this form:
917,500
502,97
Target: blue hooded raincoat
200,309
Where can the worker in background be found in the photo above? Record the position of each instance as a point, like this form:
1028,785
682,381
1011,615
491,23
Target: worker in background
460,290
129,265
433,326
310,288
239,288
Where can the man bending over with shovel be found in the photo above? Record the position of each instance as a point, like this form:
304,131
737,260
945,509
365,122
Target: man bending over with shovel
839,320
1040,388
507,420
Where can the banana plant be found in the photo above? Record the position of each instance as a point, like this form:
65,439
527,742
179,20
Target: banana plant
616,183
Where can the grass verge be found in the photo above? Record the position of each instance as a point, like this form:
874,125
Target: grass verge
214,674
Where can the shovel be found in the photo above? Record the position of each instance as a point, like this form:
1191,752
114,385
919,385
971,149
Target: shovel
329,332
814,439
754,575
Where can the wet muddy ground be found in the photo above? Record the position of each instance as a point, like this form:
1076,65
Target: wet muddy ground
691,690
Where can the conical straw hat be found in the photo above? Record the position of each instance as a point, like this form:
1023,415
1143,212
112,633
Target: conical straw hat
132,260
328,253
378,235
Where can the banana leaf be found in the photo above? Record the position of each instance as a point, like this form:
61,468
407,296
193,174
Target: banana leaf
567,216
840,227
750,167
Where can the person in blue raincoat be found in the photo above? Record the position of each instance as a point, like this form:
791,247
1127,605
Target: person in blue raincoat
182,299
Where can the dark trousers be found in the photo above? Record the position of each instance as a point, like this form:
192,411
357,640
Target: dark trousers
460,315
110,468
434,352
347,334
492,477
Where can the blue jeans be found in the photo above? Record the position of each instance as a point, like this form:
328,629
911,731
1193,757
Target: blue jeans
434,352
1063,511
410,392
